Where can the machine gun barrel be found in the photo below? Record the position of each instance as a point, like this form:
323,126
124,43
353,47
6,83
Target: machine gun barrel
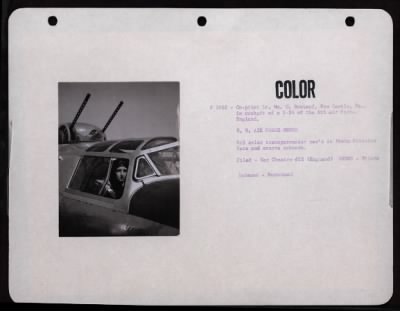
112,116
78,114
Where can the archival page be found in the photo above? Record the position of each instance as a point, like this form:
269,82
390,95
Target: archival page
284,129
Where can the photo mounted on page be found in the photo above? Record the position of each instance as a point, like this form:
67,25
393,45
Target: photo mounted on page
118,158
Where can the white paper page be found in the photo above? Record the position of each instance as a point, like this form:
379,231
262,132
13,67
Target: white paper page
306,223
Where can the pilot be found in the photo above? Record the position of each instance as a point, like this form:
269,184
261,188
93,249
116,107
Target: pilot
115,187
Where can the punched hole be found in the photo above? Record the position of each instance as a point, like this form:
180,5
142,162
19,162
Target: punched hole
52,20
350,21
201,21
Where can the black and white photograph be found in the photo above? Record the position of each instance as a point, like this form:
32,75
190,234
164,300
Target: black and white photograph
118,158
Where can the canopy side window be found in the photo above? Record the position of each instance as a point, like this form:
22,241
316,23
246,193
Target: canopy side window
90,175
101,176
166,161
143,168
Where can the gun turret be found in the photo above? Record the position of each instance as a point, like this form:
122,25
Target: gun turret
74,132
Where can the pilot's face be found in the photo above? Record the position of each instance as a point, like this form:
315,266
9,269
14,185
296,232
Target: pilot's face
121,173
